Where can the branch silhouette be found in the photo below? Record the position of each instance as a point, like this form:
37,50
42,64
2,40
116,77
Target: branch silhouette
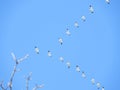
17,62
28,78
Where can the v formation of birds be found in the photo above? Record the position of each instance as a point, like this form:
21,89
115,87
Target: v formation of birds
68,64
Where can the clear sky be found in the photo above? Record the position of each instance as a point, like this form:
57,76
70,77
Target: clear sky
94,46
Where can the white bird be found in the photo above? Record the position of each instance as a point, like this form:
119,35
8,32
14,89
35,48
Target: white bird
61,59
77,68
98,85
60,41
76,24
91,9
37,50
83,18
68,64
83,75
49,53
68,32
93,81
103,88
107,1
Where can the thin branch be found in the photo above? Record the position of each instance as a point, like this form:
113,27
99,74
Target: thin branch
22,59
27,80
38,87
13,56
15,68
1,85
12,76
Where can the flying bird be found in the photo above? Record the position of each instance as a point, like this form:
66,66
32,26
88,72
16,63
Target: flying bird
61,59
98,85
103,88
77,68
76,24
68,32
68,64
83,18
83,75
49,53
60,41
93,81
107,1
91,9
37,50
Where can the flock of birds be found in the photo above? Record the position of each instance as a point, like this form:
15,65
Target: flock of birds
68,64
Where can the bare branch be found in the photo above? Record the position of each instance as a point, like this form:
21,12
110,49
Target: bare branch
12,76
27,80
15,68
38,87
1,85
14,57
22,59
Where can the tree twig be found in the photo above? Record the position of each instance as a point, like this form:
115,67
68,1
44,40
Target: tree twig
38,87
27,80
1,85
15,68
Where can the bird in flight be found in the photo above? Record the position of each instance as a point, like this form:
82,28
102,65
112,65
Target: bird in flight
68,32
103,88
83,18
68,64
98,85
107,1
36,49
76,24
61,59
93,81
60,41
83,75
49,53
91,9
77,68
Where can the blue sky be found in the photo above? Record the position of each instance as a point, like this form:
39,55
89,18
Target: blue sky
94,46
